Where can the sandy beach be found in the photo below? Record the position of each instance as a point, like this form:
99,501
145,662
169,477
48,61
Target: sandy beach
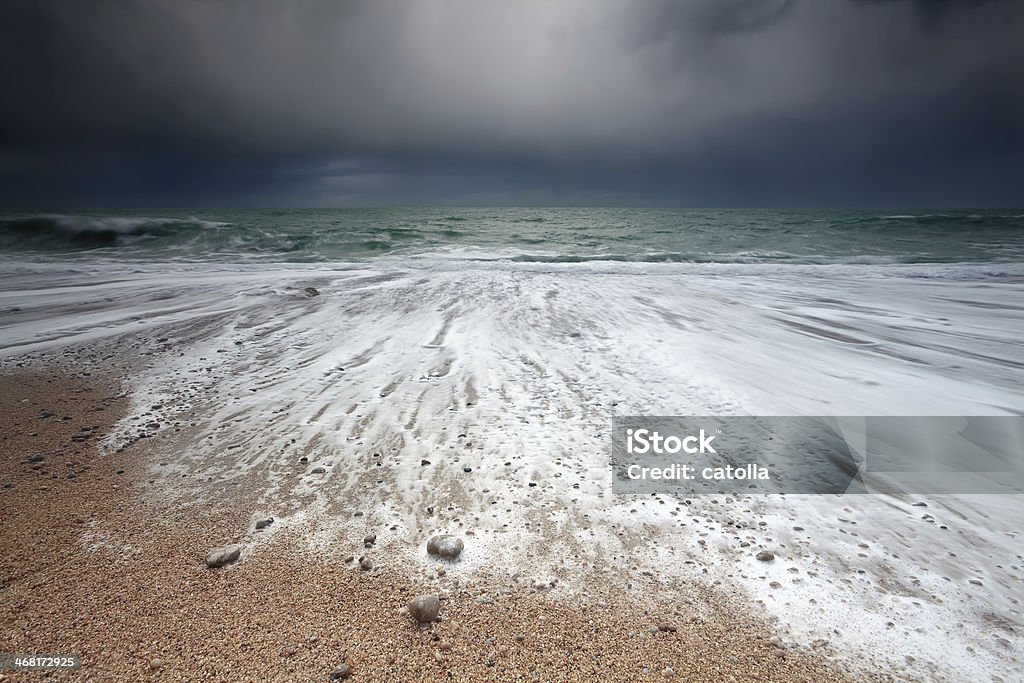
101,560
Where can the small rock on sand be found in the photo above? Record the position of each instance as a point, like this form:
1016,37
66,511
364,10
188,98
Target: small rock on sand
311,291
369,539
218,557
424,608
264,523
318,470
341,672
445,545
766,556
365,564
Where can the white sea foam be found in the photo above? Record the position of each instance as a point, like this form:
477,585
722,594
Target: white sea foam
515,369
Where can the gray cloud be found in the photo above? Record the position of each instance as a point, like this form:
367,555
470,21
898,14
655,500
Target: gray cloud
706,101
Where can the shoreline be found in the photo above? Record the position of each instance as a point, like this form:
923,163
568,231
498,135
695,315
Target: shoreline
408,403
99,559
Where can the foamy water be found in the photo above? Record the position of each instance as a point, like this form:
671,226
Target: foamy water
514,370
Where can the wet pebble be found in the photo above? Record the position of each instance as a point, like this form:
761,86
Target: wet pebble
445,545
424,608
219,557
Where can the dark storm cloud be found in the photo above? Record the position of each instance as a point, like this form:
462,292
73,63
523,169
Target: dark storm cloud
694,102
714,16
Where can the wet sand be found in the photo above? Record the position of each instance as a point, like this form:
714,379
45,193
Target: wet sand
98,558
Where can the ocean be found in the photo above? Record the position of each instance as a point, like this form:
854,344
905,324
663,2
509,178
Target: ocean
671,311
495,345
552,235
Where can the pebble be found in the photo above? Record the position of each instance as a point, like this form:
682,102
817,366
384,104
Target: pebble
445,545
155,664
424,608
766,556
318,470
365,563
341,672
369,539
264,523
218,557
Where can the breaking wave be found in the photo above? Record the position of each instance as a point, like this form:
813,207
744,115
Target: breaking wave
60,233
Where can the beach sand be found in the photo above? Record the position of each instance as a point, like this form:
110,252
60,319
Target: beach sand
99,558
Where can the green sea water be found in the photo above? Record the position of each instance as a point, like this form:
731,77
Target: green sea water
521,234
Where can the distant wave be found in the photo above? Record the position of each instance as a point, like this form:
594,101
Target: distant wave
744,257
58,232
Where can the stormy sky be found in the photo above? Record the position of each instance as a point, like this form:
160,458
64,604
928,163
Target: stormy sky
530,102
